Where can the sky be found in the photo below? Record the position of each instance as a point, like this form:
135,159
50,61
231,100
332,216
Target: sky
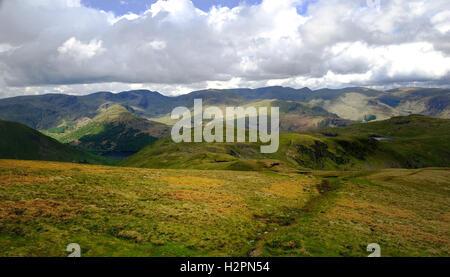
177,46
121,7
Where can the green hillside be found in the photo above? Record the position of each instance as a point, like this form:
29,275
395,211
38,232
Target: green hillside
114,129
417,141
410,142
18,141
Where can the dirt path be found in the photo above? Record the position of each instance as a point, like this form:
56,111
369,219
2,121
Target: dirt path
324,188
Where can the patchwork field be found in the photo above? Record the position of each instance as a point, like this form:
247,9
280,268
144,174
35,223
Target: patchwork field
120,211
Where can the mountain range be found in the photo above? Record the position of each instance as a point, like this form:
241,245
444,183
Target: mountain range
105,122
47,111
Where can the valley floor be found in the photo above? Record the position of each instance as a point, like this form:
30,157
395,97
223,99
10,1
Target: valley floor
119,211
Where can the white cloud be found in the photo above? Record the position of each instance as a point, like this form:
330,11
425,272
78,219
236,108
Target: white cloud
441,21
73,3
175,10
5,47
419,60
174,47
158,44
112,19
81,51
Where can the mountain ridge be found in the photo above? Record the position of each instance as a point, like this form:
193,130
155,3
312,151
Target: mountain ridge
358,104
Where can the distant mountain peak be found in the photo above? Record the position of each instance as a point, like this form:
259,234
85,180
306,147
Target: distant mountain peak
113,113
141,92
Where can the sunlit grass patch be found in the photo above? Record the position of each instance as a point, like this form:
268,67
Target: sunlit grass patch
432,178
212,197
192,181
34,208
292,189
21,180
367,207
34,166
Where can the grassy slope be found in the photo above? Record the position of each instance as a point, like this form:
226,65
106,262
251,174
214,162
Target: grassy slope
18,141
419,142
114,211
404,211
114,129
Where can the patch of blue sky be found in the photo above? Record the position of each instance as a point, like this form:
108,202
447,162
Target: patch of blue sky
302,8
121,7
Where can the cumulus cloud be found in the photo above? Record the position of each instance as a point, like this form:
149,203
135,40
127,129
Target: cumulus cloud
80,51
173,47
